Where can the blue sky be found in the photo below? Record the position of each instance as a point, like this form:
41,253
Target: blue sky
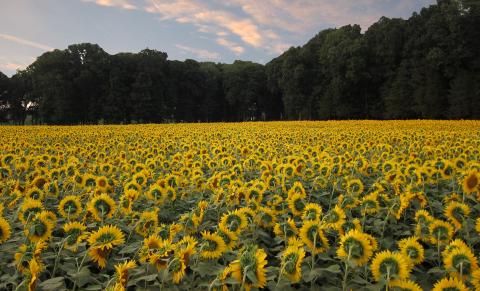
205,30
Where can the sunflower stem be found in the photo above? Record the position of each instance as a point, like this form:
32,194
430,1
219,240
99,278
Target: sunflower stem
57,259
345,275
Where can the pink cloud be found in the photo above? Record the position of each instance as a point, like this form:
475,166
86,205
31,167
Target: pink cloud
238,50
26,42
201,53
123,4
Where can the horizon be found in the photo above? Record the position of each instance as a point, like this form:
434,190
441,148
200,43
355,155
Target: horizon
184,29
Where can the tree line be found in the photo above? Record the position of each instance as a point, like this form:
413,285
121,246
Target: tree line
427,66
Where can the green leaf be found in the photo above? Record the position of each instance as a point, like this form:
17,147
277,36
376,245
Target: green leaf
57,283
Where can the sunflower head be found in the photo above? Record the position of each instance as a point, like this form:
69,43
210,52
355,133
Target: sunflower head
250,264
450,284
212,245
292,259
102,242
471,182
233,221
75,233
389,265
101,207
410,248
312,211
461,261
5,230
313,237
70,207
355,247
456,213
39,228
441,232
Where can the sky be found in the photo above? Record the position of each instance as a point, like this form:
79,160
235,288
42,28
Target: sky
204,30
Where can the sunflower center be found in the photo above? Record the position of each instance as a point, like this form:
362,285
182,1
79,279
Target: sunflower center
458,213
299,204
412,252
106,238
440,232
347,226
233,222
211,245
40,228
389,267
291,262
30,212
332,217
70,207
73,235
354,247
472,181
311,214
461,260
90,182
103,207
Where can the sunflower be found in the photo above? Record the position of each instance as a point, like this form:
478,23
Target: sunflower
213,246
351,224
355,247
296,204
154,193
471,182
335,218
229,237
102,183
51,189
5,230
29,209
266,217
355,187
89,181
177,266
169,194
147,223
35,193
39,228
156,251
34,270
101,207
75,233
410,248
477,225
313,236
234,221
476,279
404,285
456,213
102,242
122,274
292,259
389,265
461,261
312,211
369,204
286,229
70,207
187,245
449,284
27,253
252,260
441,232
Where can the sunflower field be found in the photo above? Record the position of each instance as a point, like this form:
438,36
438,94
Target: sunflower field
344,205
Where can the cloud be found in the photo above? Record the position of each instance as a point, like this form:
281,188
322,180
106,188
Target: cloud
231,46
26,42
123,4
201,53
